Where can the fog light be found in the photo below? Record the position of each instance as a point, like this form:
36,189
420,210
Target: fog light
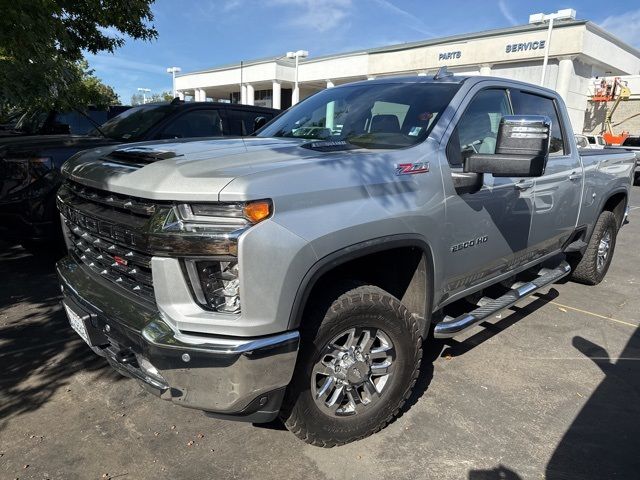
215,284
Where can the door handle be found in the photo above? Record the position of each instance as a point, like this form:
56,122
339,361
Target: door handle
523,185
575,176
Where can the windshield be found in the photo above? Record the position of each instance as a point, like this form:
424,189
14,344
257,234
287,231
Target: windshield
132,124
383,115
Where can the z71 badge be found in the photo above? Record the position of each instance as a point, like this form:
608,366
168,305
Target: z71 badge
412,168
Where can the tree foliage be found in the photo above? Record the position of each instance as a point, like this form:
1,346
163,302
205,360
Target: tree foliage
138,98
42,44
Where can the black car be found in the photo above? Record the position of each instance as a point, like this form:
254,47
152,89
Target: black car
30,166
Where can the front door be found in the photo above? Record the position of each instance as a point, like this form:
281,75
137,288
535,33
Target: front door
487,231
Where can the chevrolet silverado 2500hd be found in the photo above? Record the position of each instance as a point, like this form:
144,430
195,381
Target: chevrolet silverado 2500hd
297,272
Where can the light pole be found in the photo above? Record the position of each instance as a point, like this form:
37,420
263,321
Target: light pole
295,96
566,14
144,94
173,71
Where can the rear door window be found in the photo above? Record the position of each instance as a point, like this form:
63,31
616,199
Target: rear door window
79,124
525,103
195,123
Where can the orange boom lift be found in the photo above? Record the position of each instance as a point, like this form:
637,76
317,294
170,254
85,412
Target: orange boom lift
607,91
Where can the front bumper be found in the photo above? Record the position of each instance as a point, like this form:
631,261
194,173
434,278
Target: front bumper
240,378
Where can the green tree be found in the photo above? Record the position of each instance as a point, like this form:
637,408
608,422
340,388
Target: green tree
42,44
138,99
90,90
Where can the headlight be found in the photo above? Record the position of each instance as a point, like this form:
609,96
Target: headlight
205,229
215,284
216,217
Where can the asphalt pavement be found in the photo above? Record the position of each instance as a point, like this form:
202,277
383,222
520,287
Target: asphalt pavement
551,389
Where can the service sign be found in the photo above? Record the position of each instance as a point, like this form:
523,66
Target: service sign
524,47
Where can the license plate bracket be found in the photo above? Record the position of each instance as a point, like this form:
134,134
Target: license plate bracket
82,323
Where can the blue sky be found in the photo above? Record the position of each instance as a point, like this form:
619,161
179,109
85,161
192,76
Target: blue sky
200,34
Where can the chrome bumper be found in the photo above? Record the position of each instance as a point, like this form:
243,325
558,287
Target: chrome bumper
243,378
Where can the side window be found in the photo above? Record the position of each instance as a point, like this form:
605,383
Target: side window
530,104
241,121
477,129
78,123
196,123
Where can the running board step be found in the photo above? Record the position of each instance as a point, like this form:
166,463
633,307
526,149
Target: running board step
451,327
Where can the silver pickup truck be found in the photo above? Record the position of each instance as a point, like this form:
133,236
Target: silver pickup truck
297,273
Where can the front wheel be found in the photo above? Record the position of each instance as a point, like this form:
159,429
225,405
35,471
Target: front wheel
359,361
592,267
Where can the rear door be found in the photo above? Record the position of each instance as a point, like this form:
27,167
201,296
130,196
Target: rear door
487,230
557,193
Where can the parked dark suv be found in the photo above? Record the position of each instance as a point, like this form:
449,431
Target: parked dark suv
30,166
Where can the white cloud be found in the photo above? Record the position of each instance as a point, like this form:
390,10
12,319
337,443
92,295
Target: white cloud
506,13
412,21
320,16
230,5
625,26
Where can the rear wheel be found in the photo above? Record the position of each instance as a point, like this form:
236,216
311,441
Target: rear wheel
592,267
358,364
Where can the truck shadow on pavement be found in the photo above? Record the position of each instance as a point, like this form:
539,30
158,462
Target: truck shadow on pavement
39,351
602,441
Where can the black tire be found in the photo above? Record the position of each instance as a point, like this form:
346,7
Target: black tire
587,268
636,178
367,307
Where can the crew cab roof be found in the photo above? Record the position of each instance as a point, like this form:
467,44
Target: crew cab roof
451,79
191,105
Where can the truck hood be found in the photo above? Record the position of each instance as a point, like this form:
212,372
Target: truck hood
198,171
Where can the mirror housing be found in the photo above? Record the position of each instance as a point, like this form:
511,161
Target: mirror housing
522,148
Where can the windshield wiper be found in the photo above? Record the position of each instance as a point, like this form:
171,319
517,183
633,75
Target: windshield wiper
95,124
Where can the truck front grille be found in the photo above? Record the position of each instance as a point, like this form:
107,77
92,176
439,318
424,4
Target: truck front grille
105,233
125,267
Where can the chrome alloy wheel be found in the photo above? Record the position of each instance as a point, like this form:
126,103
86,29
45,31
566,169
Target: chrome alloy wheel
604,247
353,370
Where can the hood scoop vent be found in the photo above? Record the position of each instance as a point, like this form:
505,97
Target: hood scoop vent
142,155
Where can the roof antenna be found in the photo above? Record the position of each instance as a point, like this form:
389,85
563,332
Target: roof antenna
443,72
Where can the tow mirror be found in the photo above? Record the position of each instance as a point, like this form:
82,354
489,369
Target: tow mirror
258,123
522,148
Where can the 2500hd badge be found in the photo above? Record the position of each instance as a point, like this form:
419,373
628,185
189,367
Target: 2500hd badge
469,243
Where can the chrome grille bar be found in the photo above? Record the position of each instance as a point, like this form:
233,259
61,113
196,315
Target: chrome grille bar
133,205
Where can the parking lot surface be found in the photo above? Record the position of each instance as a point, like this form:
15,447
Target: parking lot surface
549,390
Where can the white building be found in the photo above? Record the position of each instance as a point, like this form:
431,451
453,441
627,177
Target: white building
578,52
